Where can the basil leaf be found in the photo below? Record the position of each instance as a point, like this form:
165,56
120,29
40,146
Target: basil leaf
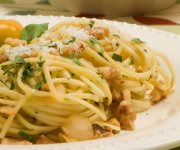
137,40
32,31
25,136
117,57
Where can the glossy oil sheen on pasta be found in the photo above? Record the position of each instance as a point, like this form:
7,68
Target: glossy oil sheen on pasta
80,80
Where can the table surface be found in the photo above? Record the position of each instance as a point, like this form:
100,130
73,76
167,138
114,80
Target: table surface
168,20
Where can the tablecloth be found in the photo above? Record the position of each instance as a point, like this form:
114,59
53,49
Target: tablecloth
168,19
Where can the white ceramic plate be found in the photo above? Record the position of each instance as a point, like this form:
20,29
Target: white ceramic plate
159,127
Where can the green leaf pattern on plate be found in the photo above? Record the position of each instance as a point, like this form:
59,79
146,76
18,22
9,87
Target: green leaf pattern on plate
45,2
22,12
7,1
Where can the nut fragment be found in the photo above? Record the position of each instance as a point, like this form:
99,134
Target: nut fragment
14,42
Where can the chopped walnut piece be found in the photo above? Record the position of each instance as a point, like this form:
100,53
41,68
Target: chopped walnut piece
110,73
14,42
99,32
32,54
108,48
72,51
100,132
42,139
157,96
3,58
45,87
114,78
125,112
13,141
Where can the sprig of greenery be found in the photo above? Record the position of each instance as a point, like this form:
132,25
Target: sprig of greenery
32,31
73,39
137,40
117,57
40,83
25,136
91,23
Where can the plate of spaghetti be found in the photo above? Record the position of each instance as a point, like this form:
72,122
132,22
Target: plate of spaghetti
77,83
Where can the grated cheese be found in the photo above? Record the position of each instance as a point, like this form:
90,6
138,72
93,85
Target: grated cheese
80,34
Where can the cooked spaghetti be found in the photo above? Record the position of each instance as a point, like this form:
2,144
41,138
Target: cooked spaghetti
80,80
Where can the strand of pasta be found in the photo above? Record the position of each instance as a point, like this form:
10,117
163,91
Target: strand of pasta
31,126
11,117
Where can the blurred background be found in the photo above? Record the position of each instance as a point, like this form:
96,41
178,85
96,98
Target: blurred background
162,14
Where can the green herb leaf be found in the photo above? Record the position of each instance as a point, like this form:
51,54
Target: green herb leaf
132,62
91,23
73,39
117,57
54,45
116,35
117,44
19,60
27,73
93,41
137,40
145,50
40,83
40,62
76,61
100,75
25,136
32,31
101,53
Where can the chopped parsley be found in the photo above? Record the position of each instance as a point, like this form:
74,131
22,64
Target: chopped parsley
149,77
132,62
18,61
100,75
93,41
137,40
25,136
73,39
91,23
76,61
101,53
145,50
12,87
27,73
117,44
40,62
11,69
117,57
54,45
40,83
116,35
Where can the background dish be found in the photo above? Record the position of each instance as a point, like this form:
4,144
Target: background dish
156,128
112,7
